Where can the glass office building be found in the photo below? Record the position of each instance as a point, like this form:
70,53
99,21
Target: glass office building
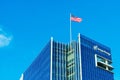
83,59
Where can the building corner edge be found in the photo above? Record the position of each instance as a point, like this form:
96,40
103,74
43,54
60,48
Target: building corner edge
79,41
22,77
51,53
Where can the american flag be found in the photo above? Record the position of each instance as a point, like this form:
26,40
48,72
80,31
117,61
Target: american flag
76,19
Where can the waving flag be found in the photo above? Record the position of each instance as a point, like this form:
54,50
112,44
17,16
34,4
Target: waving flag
76,19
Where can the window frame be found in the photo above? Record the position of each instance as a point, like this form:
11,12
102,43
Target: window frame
104,63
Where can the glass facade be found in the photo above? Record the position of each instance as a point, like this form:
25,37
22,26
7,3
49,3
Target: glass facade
96,60
84,59
40,68
65,61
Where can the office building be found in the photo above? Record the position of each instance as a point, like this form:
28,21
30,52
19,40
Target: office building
83,59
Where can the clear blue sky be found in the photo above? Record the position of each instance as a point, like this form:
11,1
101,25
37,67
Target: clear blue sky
27,25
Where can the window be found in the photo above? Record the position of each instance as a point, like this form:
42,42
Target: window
103,63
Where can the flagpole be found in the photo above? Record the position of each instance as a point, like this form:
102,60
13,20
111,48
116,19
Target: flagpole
70,30
71,35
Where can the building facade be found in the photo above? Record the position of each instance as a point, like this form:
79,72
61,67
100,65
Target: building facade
84,59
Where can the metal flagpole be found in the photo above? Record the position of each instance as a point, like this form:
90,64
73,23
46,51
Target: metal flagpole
71,37
70,30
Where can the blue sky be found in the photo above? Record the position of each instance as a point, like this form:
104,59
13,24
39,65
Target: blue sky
27,25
